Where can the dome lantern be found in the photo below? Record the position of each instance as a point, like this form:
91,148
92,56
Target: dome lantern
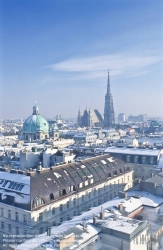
35,110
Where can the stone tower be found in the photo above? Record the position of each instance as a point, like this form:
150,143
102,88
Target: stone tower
109,116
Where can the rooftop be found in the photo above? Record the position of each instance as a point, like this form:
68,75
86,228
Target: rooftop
134,151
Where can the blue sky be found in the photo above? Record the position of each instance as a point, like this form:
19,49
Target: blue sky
58,52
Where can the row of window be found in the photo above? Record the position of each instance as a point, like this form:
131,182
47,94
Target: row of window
10,228
40,201
94,204
16,215
144,159
74,200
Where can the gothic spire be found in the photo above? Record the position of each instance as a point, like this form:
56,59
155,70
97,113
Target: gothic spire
108,84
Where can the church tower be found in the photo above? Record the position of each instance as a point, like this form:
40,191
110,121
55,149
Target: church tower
109,116
79,119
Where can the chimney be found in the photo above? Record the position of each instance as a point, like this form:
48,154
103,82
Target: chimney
94,220
48,231
120,206
39,167
102,214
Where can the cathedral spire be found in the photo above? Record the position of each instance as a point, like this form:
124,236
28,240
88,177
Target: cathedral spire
108,84
109,116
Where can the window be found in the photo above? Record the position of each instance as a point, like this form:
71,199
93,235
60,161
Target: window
120,170
86,183
39,202
62,192
151,160
9,214
136,159
89,195
67,204
80,185
61,208
115,172
40,216
24,218
17,230
94,192
128,158
40,230
91,181
74,201
9,228
2,212
61,220
68,216
16,216
25,232
94,204
52,196
53,210
143,160
2,225
109,175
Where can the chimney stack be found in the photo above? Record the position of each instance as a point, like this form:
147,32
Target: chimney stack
102,214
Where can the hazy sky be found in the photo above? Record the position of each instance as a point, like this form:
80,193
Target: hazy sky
58,52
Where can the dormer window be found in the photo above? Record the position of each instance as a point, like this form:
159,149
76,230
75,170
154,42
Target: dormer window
128,158
39,202
151,160
136,159
143,160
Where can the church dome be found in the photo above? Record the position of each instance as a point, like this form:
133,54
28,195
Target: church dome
35,123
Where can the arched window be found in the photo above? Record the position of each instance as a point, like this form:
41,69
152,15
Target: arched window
136,159
38,202
143,160
109,175
151,160
128,158
115,172
120,170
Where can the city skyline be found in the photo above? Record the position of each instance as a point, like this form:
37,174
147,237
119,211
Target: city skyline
58,53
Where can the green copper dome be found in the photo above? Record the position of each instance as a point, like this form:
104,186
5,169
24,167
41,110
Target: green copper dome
35,123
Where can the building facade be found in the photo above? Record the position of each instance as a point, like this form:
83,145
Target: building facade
121,117
142,161
90,118
34,200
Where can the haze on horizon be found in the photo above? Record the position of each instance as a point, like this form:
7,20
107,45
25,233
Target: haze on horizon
58,53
